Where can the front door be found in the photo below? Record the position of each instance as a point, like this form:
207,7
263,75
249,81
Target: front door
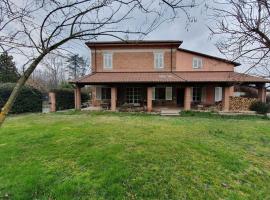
180,92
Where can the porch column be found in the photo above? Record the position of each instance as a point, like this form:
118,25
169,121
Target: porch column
149,99
77,96
52,101
187,99
262,93
226,98
113,98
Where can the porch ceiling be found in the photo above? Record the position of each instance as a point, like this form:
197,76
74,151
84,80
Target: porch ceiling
167,77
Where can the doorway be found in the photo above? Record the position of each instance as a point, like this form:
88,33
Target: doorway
180,93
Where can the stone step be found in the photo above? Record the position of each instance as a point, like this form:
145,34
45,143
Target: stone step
169,113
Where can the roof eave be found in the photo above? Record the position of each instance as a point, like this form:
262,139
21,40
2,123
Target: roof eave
134,42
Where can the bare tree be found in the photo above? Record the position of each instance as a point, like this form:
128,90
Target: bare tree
243,29
53,72
49,25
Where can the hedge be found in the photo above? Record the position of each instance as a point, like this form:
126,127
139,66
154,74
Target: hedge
65,98
29,99
260,107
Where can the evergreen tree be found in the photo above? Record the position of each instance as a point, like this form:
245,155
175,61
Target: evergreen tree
8,71
77,66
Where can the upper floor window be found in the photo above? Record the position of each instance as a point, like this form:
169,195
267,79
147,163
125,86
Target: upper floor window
107,60
197,63
159,60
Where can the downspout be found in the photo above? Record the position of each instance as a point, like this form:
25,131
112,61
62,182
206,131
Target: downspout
95,59
171,59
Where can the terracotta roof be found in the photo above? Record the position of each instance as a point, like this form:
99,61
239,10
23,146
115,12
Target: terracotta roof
167,77
209,56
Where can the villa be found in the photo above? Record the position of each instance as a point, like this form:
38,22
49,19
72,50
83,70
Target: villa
156,74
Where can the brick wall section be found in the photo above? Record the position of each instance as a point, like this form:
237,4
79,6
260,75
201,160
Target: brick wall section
184,63
134,61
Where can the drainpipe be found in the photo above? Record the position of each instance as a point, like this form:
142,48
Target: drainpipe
171,58
95,59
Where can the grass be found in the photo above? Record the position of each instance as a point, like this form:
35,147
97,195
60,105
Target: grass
134,156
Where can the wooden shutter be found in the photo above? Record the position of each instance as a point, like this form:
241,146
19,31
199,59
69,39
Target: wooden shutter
203,99
98,93
153,93
168,93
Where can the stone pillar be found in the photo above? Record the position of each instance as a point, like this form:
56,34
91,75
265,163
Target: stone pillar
77,96
187,100
52,101
262,94
149,99
226,98
113,98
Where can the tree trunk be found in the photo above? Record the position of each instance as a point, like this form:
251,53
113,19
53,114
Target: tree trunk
8,105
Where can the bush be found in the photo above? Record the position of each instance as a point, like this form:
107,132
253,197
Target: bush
260,107
65,98
29,99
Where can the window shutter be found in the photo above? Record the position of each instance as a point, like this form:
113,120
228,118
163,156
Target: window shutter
153,93
98,93
218,94
168,93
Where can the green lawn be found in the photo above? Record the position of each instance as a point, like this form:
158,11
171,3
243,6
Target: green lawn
127,156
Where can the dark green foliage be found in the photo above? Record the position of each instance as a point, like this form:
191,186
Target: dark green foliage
29,99
65,98
77,66
66,85
260,107
8,71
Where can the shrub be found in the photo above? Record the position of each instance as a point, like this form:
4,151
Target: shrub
65,98
260,107
29,99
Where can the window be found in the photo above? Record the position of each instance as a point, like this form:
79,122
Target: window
160,93
105,93
107,61
196,94
197,63
218,94
133,95
159,60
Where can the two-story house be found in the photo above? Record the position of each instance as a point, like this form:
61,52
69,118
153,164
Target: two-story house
153,74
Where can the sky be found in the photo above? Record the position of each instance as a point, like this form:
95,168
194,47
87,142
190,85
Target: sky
195,36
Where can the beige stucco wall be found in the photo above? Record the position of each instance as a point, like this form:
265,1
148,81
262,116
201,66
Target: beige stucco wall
184,63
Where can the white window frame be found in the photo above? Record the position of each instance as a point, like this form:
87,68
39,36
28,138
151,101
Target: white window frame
197,63
107,60
218,94
98,93
159,60
133,95
168,93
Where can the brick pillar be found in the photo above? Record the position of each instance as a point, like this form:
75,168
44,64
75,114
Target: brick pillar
149,99
262,94
226,98
77,96
187,100
113,98
52,101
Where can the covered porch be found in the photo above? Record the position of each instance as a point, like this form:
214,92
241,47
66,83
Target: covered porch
154,91
154,98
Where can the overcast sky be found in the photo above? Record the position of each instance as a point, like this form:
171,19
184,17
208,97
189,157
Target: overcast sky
195,37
